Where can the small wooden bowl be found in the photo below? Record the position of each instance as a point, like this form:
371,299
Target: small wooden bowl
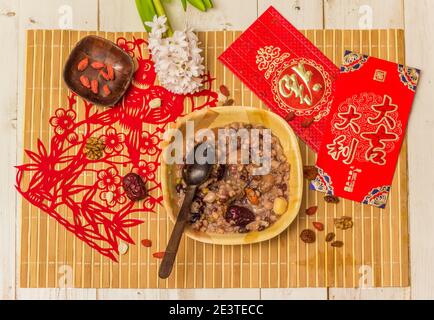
100,50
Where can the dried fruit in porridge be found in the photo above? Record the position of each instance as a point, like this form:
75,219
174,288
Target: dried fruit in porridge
330,237
308,236
158,255
85,82
134,187
337,244
252,196
97,65
239,215
318,226
311,211
310,172
331,199
94,86
83,64
94,148
225,91
306,123
290,116
280,206
344,223
146,243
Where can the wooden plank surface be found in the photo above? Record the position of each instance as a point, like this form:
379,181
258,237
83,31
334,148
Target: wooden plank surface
418,18
419,23
8,134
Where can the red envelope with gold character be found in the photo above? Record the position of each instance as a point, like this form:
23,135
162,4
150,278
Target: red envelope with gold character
367,123
287,72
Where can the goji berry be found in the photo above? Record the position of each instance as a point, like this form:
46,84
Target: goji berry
146,243
158,255
85,81
94,86
97,65
290,116
311,211
83,64
307,122
106,90
110,72
225,91
318,226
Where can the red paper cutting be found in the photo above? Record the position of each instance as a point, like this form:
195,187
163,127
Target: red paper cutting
287,72
101,212
368,120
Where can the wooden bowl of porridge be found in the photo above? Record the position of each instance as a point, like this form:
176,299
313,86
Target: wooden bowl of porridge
234,206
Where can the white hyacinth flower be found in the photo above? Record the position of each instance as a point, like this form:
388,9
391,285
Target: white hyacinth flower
178,60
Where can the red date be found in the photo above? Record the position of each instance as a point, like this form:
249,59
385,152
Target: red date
134,187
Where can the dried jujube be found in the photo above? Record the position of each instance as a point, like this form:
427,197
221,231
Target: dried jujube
240,216
134,187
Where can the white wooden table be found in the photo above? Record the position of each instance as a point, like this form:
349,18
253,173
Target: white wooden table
417,17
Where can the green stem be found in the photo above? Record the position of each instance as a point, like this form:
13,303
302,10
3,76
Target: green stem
208,4
146,11
198,4
159,8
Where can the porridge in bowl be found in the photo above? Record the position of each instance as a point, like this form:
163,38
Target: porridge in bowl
235,199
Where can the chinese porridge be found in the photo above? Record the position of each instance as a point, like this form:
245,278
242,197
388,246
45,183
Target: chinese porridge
234,199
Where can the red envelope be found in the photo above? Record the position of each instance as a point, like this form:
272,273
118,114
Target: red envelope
366,127
287,72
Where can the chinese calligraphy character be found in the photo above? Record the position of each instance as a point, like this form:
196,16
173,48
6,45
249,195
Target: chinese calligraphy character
352,177
383,113
338,149
289,85
349,119
377,141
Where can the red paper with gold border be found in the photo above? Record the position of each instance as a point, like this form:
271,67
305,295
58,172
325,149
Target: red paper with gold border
287,72
366,128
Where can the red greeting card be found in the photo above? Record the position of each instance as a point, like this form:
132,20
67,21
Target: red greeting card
366,127
287,72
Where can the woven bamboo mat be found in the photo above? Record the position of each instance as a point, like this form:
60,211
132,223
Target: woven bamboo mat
375,253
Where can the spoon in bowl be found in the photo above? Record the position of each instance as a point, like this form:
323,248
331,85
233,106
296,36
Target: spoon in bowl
194,175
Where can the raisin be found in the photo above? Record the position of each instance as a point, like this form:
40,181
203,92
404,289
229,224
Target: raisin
240,215
308,236
194,218
134,187
331,199
330,237
310,172
229,102
337,244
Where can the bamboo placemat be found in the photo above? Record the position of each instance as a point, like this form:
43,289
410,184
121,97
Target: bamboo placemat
376,249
